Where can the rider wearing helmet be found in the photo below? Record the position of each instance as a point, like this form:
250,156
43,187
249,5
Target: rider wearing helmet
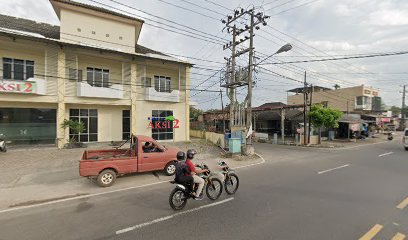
194,171
183,172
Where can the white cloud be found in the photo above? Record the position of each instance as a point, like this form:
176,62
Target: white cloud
332,46
387,17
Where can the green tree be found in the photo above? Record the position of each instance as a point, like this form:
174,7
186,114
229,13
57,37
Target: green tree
75,127
395,110
324,117
195,113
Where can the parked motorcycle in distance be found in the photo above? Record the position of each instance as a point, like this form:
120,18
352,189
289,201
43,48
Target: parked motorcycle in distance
3,145
390,136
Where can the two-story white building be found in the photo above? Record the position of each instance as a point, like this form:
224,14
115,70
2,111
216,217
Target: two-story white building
91,69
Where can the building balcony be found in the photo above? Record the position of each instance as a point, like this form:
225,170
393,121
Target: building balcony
152,95
365,107
85,90
30,86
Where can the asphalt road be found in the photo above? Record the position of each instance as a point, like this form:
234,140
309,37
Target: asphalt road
308,193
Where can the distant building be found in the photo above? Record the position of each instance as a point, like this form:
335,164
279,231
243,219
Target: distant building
353,99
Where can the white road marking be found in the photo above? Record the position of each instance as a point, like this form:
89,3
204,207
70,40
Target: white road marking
331,169
171,216
253,164
385,154
396,224
103,193
79,197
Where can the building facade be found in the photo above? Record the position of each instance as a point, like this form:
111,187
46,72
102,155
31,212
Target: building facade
90,69
353,99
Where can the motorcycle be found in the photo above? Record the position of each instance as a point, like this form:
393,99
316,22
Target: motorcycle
181,193
231,180
390,136
3,145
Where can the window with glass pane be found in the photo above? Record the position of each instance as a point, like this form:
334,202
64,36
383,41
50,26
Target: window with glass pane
360,100
105,78
97,77
28,125
29,69
125,124
147,82
90,119
17,69
7,68
163,133
162,83
75,74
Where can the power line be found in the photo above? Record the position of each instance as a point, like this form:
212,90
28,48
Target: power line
197,5
342,58
219,5
190,10
279,5
289,9
153,15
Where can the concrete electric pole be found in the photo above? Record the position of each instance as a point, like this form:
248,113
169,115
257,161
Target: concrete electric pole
235,24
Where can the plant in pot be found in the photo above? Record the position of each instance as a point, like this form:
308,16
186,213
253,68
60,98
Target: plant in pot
76,128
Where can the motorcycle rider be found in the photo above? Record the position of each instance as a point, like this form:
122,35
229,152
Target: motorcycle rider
194,171
183,172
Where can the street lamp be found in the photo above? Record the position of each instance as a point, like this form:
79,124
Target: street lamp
284,48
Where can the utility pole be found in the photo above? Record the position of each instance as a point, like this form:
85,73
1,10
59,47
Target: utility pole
232,80
310,109
402,123
235,24
304,111
251,58
223,114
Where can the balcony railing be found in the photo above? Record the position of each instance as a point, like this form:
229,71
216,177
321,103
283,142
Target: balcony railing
152,95
86,90
364,107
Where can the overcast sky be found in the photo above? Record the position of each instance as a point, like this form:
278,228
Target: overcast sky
316,29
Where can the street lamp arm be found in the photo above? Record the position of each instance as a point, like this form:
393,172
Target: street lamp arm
284,48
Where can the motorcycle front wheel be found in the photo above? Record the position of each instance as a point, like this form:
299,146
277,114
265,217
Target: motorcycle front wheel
214,188
177,199
231,183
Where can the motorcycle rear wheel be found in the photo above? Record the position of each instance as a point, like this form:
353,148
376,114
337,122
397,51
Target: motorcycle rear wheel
177,199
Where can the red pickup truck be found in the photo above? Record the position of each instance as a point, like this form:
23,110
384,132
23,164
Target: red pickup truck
106,165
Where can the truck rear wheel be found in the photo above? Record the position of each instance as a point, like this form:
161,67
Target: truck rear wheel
106,178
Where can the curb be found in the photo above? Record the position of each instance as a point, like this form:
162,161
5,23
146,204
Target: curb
11,209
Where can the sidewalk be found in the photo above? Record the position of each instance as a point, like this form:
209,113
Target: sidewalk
32,176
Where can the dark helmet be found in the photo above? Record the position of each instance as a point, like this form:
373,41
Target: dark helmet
181,156
191,153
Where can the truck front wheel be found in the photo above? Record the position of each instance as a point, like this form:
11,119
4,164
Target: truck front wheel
106,178
170,168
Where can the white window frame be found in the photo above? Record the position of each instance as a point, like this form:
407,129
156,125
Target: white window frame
159,81
26,63
105,76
